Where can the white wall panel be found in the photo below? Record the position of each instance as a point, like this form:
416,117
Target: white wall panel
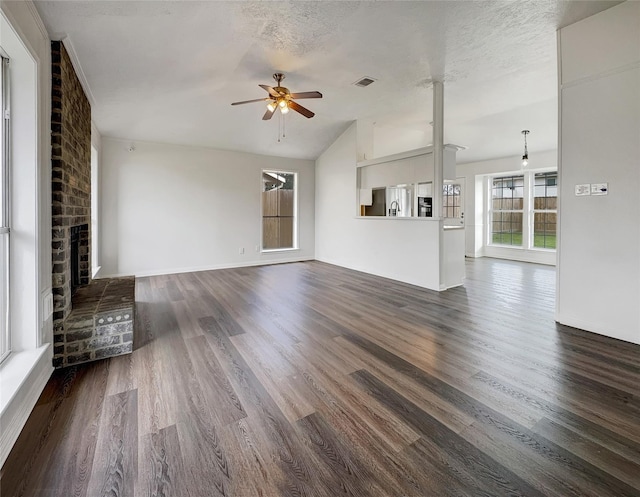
599,246
170,208
601,43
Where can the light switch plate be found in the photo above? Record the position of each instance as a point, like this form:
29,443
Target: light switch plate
582,190
599,188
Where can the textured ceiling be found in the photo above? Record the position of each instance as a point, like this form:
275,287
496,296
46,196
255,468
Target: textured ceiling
167,71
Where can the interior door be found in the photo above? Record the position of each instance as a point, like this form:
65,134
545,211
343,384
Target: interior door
453,202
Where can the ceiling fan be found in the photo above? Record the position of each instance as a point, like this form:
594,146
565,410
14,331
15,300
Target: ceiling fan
281,98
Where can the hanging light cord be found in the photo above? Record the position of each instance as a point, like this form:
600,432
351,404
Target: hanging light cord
525,157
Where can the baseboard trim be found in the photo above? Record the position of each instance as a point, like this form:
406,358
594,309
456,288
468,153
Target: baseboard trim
373,273
521,255
159,272
597,328
16,412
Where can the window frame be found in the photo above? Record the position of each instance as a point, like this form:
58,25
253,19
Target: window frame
491,211
535,211
5,207
295,244
95,210
528,210
447,194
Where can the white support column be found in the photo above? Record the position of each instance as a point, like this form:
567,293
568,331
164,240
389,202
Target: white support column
438,147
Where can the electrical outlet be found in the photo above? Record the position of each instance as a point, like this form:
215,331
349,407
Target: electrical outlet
241,250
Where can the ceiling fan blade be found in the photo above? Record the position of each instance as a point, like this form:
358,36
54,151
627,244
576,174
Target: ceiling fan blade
307,94
250,101
271,91
300,109
268,114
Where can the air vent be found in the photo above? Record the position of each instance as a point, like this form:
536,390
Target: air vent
366,81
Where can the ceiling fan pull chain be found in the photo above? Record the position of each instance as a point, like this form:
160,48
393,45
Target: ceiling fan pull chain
284,120
279,122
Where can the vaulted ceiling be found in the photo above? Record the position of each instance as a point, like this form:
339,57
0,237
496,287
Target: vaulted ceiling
167,71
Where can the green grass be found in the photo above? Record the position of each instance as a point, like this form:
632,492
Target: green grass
515,239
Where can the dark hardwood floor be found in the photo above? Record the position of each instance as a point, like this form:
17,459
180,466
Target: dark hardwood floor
312,380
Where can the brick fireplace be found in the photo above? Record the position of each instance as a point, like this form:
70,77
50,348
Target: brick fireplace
92,319
71,179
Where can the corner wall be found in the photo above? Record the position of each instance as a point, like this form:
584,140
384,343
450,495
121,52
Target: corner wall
170,208
599,245
401,249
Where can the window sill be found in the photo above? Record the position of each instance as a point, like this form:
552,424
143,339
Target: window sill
517,247
271,251
15,370
23,377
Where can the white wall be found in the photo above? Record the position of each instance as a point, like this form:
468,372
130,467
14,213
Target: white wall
599,246
400,248
475,178
389,140
170,208
24,374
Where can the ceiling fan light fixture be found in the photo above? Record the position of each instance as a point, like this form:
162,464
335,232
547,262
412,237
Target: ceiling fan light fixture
281,97
525,156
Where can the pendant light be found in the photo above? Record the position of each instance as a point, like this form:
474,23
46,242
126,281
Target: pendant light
525,156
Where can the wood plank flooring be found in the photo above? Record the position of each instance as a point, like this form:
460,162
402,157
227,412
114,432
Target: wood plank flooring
312,380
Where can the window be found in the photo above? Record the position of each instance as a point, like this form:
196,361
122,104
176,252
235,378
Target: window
451,200
5,342
278,210
523,210
545,205
95,259
506,213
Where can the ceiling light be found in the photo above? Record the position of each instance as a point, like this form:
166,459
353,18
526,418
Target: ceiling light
282,103
271,106
525,156
284,109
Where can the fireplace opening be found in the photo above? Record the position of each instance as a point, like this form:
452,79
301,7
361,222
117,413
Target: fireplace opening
78,241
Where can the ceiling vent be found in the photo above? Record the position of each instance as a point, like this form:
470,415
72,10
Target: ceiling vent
366,81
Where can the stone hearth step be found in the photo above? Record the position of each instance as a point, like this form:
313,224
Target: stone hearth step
100,324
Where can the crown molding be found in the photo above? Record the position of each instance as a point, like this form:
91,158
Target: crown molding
75,62
36,17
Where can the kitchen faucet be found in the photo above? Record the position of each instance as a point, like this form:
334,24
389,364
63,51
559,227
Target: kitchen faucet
392,211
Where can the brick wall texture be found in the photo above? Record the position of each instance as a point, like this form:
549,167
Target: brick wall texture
71,179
